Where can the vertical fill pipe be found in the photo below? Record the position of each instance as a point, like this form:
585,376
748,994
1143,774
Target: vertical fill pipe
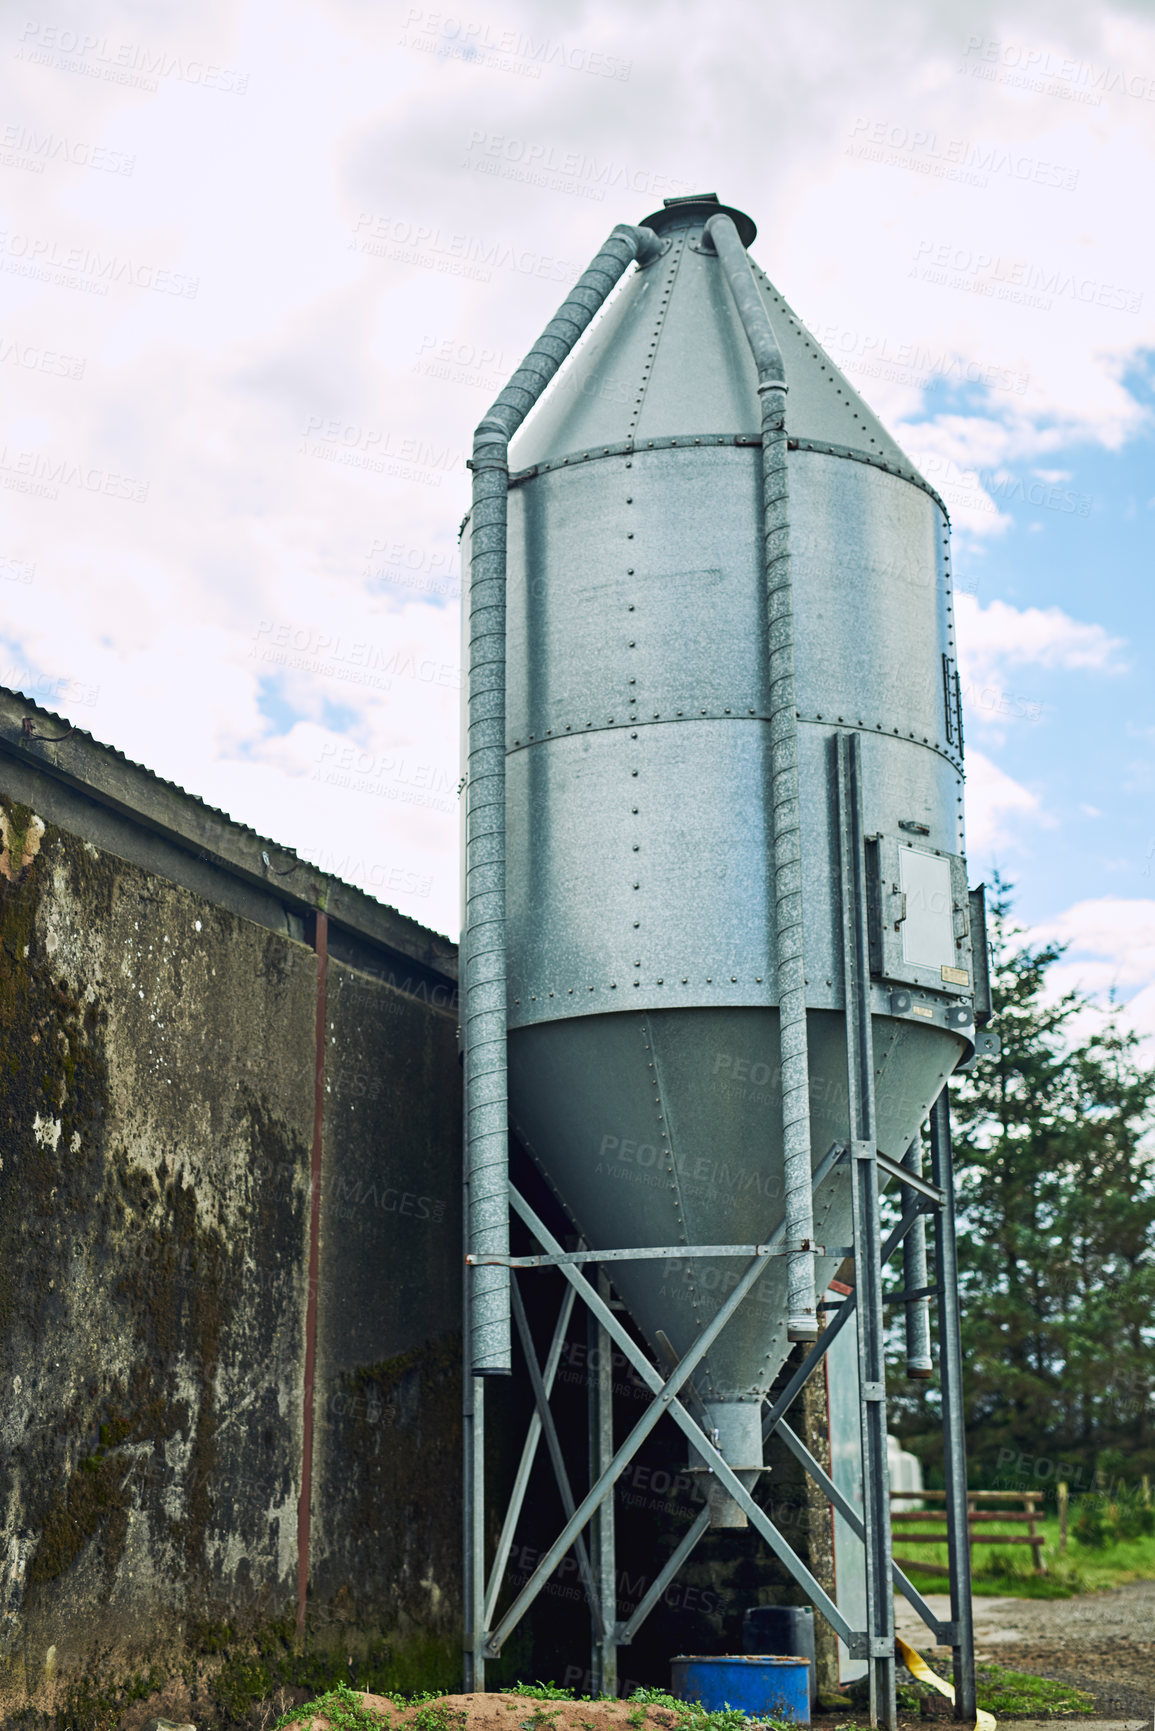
802,1315
484,938
918,1362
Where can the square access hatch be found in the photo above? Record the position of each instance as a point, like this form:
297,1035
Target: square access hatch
919,916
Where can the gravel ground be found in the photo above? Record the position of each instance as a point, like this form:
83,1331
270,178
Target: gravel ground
1103,1642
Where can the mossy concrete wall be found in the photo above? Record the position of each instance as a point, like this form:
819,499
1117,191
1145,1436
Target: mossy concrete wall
156,1120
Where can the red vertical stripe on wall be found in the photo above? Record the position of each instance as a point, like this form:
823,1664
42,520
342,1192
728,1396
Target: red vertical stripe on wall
321,945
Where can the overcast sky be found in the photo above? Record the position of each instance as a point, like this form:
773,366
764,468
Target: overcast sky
263,266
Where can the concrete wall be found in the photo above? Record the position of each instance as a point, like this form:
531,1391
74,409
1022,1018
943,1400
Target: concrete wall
386,1542
157,1055
159,993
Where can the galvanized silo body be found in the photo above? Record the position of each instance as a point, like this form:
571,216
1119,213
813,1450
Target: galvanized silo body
642,974
643,1041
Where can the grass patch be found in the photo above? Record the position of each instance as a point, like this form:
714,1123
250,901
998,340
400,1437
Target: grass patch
691,1715
1080,1569
1019,1693
1001,1692
345,1710
341,1706
544,1692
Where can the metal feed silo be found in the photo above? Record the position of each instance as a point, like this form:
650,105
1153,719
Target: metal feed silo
718,950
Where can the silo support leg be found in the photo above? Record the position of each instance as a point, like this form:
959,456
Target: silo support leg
953,1427
474,1498
472,1487
867,1233
875,1472
600,1385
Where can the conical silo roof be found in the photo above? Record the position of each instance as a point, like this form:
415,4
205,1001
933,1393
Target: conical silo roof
668,359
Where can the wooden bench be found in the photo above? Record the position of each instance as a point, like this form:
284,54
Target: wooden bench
1027,1512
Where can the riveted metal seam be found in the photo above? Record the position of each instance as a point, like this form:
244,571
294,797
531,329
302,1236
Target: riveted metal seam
558,735
699,441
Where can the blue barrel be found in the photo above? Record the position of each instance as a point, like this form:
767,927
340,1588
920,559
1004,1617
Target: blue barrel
764,1686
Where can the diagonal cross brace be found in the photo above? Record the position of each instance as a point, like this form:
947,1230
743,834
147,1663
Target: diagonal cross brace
665,1392
761,1521
553,1445
822,1345
626,1631
528,1454
666,1400
941,1631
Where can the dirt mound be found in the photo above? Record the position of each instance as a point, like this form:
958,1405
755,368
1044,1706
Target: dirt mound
508,1713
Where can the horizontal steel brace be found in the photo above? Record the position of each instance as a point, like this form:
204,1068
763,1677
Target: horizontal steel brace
907,1294
655,1253
895,1169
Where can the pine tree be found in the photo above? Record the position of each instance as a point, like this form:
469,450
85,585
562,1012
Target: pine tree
1057,1225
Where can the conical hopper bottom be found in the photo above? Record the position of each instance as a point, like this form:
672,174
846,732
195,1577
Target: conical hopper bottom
663,1127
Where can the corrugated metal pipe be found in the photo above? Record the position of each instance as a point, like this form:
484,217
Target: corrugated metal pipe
483,978
918,1360
802,1320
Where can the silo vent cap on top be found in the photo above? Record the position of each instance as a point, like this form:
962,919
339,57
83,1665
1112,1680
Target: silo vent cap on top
695,208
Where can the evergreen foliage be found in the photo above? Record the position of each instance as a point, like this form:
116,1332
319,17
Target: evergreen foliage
1056,1227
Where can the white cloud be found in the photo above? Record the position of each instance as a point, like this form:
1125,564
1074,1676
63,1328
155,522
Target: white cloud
997,646
999,636
997,807
1112,951
366,194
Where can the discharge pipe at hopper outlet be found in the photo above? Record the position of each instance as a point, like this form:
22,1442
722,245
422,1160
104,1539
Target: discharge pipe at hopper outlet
484,938
802,1318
